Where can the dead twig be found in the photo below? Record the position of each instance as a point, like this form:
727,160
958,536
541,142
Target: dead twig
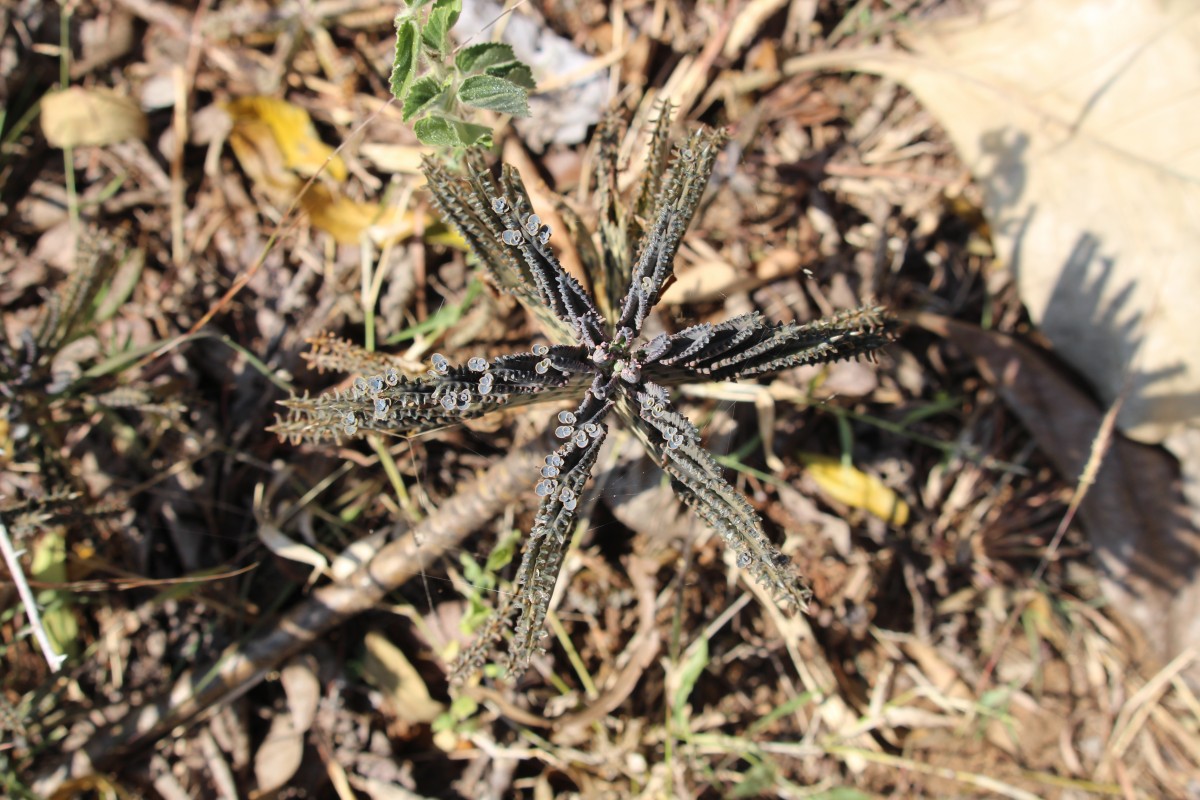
242,666
31,608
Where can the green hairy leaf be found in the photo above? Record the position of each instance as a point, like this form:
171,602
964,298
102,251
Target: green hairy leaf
479,57
424,95
436,33
488,76
516,72
494,94
438,131
408,51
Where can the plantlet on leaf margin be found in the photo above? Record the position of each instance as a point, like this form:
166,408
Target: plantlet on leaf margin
598,357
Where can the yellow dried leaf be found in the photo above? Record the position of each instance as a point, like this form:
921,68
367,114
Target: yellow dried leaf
855,488
78,116
292,133
6,445
263,162
277,147
346,220
402,158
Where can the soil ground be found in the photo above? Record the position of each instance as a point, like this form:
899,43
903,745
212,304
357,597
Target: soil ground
967,651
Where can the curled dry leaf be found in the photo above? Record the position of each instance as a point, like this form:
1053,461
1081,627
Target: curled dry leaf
303,689
388,157
714,278
277,146
284,547
98,116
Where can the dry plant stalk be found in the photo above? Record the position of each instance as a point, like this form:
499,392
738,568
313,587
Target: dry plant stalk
597,354
242,666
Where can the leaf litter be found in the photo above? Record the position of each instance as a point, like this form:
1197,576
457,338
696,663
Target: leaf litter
908,676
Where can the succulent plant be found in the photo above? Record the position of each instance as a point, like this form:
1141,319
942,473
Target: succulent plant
598,357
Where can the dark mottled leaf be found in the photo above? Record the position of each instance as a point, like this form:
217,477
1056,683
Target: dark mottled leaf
560,488
497,220
698,480
392,403
674,206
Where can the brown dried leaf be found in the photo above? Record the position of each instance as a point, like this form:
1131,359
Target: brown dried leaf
387,667
280,754
713,278
97,116
303,689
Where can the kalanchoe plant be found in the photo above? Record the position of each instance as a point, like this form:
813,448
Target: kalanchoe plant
599,355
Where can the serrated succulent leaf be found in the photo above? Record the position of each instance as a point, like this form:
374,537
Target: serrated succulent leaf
650,182
698,481
498,221
673,209
748,346
564,295
561,486
616,256
589,255
394,404
70,309
542,558
470,207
